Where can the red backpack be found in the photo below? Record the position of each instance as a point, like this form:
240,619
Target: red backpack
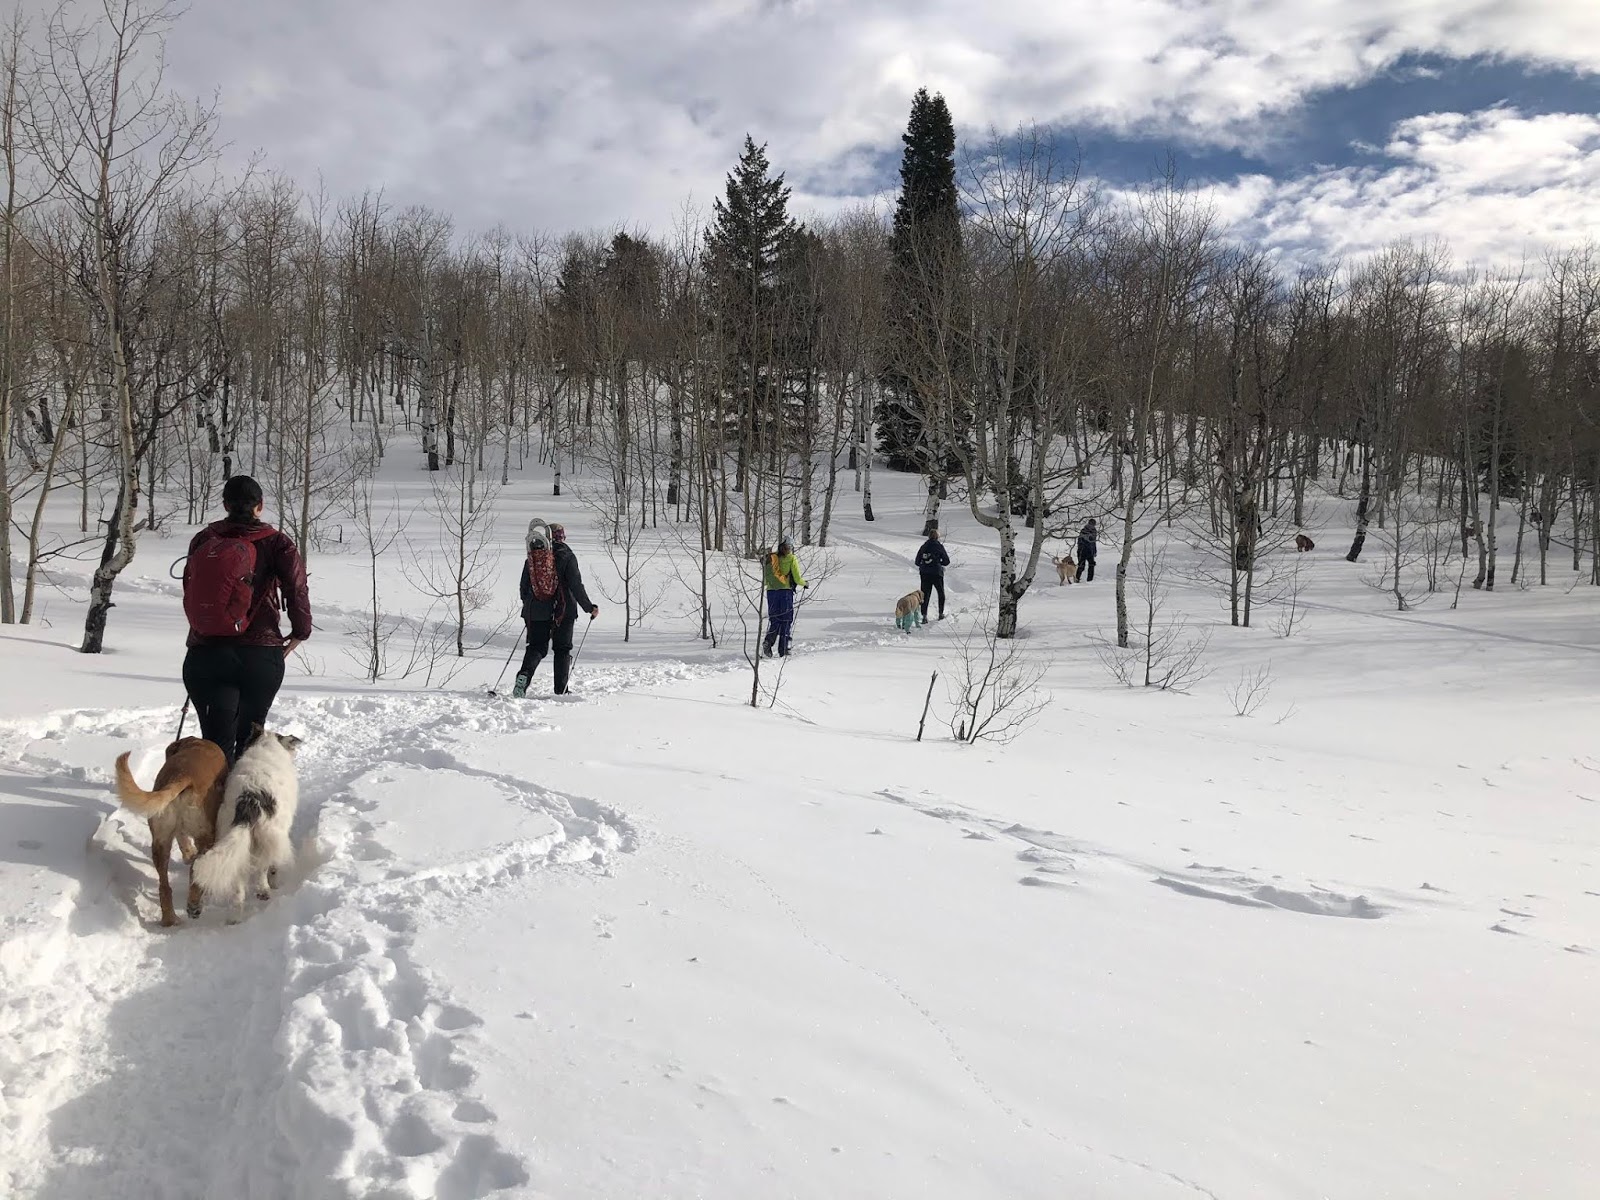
219,584
543,581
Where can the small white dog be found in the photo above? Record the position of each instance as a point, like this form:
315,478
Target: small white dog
253,825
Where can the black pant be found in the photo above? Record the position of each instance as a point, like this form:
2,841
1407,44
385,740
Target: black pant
232,689
932,581
1085,562
540,636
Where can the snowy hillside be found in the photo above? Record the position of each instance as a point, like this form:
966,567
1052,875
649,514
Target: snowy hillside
653,942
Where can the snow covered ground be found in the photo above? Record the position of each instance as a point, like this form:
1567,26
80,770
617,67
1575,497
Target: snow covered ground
655,943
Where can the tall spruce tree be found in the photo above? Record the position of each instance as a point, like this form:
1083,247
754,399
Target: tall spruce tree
749,236
925,254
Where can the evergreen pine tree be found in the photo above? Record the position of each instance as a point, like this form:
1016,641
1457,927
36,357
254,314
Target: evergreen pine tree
925,251
749,236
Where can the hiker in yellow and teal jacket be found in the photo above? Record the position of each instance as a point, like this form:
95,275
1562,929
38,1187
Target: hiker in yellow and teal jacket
781,574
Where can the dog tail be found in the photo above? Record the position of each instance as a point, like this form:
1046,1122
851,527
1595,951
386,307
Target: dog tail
221,870
136,799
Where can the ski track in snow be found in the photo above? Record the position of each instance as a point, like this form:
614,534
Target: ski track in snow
307,1035
1052,858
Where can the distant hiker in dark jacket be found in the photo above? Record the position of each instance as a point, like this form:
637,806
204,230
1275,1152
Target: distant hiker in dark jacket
781,576
1088,537
234,666
552,597
931,561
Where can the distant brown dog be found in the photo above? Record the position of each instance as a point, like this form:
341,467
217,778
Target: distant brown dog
184,806
908,610
1065,569
1302,543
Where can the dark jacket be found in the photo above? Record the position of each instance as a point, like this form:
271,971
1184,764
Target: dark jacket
280,582
570,597
1088,537
932,559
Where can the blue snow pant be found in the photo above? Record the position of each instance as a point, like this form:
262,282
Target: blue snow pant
780,619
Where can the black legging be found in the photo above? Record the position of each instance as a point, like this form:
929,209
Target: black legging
232,689
932,581
541,634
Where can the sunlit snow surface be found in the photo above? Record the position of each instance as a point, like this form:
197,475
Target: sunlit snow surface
655,943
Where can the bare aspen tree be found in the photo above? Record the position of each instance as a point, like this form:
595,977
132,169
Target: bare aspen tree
1397,315
1005,355
457,571
122,150
1156,271
852,334
70,364
17,327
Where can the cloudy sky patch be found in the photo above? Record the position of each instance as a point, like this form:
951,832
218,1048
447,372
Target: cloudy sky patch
1322,125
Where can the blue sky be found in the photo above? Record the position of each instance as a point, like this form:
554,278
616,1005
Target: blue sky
1320,126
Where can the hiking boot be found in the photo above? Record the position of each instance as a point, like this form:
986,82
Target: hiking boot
521,689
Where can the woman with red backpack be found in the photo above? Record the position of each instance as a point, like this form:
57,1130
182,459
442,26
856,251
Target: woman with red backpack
239,574
552,597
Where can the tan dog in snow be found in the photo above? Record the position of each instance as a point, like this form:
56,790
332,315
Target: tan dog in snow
908,610
1065,569
183,806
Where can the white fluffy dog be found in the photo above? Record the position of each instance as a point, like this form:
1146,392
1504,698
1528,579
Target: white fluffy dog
253,825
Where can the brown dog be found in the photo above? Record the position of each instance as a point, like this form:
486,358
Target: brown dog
908,610
1065,569
184,806
1302,543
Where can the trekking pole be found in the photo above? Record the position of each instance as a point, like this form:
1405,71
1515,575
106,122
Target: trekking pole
182,717
581,641
495,690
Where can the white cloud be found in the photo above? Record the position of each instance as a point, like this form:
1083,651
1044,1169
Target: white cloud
554,115
1496,185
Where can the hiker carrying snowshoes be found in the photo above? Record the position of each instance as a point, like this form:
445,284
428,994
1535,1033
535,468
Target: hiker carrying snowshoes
552,598
781,575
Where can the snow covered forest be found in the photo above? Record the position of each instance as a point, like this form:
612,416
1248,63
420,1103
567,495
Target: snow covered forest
1262,865
1036,346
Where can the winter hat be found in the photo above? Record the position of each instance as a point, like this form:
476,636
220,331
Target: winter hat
538,535
558,533
786,542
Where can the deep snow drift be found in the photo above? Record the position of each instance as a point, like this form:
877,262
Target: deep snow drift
655,943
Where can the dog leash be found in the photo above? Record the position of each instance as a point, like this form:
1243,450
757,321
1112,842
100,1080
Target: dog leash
182,717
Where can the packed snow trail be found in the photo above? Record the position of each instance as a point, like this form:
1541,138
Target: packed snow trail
301,1053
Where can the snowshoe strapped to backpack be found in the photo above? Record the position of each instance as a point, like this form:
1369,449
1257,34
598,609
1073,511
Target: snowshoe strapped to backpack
219,584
